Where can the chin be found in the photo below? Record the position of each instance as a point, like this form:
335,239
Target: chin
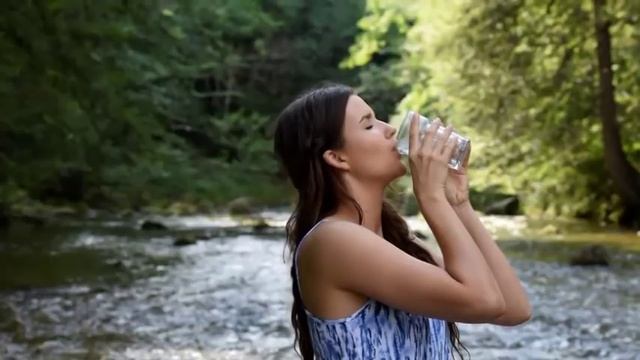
390,172
401,171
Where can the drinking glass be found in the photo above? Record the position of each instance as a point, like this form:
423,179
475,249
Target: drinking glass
460,152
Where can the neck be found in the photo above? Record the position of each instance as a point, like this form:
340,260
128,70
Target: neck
370,198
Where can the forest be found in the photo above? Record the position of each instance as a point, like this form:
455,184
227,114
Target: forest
169,106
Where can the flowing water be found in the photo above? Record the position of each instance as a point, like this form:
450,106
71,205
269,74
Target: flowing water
106,290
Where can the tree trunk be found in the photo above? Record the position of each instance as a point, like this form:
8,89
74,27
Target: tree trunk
626,178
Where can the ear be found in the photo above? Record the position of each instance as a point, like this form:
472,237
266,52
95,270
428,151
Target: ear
335,159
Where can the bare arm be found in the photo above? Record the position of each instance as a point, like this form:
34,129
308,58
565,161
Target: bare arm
353,258
462,256
518,309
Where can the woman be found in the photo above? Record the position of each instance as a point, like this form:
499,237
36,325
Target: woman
362,288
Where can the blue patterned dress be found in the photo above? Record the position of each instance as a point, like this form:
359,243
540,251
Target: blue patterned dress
378,331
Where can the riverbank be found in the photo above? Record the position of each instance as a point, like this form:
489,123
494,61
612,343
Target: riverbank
241,201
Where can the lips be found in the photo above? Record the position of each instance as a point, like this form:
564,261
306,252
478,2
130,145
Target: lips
395,150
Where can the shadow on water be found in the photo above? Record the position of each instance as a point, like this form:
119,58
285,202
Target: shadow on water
104,289
58,255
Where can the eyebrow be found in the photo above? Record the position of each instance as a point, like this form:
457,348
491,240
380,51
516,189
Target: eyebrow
367,116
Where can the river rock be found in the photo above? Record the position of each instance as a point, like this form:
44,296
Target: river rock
507,206
241,206
118,264
205,235
261,225
185,241
550,229
30,219
152,225
590,255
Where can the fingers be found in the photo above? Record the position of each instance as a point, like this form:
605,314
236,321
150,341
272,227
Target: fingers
414,133
443,140
435,140
448,149
426,146
435,143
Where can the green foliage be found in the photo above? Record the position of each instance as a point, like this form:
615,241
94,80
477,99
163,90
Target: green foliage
382,78
130,103
520,78
166,102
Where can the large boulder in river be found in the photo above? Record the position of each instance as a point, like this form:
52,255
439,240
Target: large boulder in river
241,206
261,225
185,241
507,206
590,255
152,225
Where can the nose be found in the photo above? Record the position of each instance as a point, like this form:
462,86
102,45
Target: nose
391,131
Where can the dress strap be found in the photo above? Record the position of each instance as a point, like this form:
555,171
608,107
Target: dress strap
295,255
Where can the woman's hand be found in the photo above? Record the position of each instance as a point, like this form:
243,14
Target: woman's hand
428,157
457,184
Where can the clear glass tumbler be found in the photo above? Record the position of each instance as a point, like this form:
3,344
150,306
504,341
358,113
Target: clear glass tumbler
459,153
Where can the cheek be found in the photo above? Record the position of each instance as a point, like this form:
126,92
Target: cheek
364,150
369,142
371,155
374,161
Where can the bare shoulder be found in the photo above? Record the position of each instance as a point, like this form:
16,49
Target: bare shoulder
335,236
350,257
344,243
335,241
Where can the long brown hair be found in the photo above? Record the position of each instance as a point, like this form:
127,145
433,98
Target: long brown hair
307,127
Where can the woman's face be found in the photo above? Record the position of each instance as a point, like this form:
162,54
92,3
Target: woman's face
370,144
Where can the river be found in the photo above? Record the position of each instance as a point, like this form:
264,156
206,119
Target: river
103,289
